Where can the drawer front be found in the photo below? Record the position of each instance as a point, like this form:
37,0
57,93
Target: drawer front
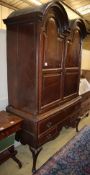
9,131
48,123
49,135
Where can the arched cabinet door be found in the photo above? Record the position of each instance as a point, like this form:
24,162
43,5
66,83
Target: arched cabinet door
72,64
52,56
73,48
52,45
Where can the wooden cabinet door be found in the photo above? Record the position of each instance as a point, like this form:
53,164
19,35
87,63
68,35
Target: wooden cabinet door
73,48
52,57
52,51
72,65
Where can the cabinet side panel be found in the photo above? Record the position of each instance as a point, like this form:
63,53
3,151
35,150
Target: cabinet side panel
12,38
24,66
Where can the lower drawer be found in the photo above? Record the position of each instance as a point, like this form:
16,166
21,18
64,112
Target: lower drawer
58,117
49,135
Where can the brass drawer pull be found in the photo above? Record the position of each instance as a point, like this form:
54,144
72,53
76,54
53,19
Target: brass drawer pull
49,136
49,124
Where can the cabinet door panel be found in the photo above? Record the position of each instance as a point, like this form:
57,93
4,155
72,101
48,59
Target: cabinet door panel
52,49
73,51
51,88
70,83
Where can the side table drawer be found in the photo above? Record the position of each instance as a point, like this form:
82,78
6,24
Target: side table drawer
9,131
9,124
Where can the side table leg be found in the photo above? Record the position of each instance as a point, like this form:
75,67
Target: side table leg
13,153
35,153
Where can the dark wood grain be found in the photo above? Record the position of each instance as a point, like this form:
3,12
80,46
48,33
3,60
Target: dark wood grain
43,72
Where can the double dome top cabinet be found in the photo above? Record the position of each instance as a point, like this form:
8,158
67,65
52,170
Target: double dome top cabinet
43,65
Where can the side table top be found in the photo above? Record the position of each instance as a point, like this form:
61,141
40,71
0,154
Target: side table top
8,120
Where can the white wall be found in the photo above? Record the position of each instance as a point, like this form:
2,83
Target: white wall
71,14
3,71
85,63
4,12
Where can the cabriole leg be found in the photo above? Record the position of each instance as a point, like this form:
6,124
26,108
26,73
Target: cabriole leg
35,153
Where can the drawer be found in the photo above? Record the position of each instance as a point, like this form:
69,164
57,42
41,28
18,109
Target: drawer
49,122
9,131
51,134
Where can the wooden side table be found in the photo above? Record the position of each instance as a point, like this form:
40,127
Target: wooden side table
9,124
